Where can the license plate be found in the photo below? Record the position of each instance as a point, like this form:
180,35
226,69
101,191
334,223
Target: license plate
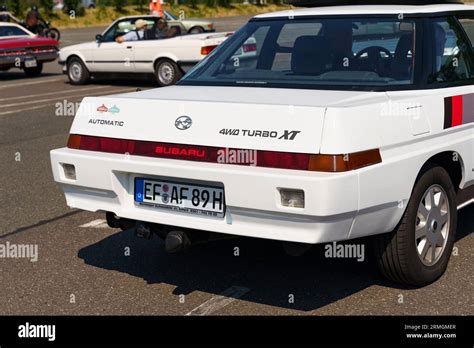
189,198
30,63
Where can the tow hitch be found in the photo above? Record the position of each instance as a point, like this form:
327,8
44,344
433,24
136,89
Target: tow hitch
175,240
143,230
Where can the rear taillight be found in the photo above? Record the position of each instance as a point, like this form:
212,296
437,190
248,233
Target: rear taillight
74,141
207,49
38,50
30,50
258,158
344,163
12,53
283,160
250,48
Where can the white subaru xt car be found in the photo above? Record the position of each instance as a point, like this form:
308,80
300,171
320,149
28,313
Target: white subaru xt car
343,122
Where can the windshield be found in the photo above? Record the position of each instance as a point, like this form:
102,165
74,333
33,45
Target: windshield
313,53
171,16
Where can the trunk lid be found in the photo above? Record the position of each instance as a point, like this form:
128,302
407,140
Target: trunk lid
206,39
244,118
24,42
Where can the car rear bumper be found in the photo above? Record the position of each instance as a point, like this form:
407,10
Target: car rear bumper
63,64
105,182
187,65
13,61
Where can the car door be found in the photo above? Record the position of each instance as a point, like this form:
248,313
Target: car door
443,102
452,76
144,51
110,56
467,24
455,72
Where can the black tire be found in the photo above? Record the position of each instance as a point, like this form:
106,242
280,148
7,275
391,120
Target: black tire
54,33
398,254
33,72
77,72
196,30
167,72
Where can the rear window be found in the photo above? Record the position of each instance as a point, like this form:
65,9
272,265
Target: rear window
313,53
11,31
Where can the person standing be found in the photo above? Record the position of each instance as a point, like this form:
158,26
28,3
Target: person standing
155,8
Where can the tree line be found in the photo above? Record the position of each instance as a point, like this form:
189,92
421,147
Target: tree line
46,6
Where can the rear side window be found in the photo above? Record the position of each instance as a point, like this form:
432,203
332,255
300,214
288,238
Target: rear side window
451,51
468,25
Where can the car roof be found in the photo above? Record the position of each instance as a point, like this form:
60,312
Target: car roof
368,10
10,24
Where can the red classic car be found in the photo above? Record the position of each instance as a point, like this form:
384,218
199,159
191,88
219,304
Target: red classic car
19,48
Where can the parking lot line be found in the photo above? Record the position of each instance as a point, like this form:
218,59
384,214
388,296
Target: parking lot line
29,96
48,100
218,302
99,223
31,83
73,97
25,109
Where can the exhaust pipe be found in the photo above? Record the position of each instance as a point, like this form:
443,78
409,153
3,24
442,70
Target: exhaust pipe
177,241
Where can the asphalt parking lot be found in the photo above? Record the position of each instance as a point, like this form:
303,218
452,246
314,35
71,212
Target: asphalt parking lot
85,267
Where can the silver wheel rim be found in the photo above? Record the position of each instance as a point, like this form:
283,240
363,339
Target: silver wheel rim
75,71
166,73
432,225
196,31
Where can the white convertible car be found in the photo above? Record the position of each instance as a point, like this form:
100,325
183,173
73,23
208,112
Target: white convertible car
168,59
344,122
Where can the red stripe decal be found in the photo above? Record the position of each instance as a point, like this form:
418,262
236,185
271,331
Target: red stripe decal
457,111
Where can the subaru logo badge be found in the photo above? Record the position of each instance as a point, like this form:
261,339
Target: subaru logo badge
183,122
